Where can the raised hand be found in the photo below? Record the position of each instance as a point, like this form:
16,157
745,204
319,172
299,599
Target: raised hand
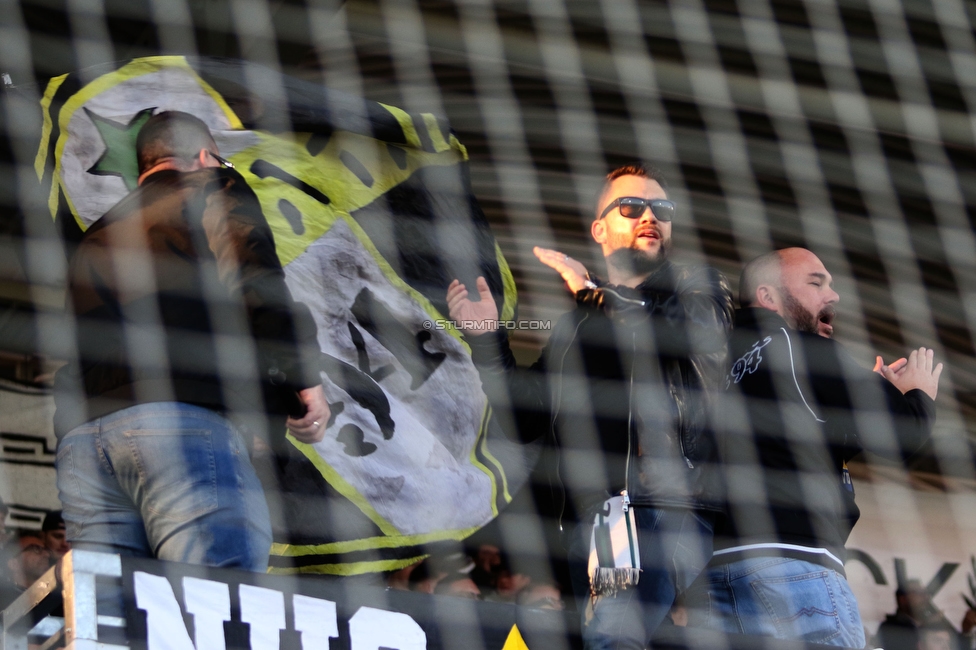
919,372
463,310
572,272
881,367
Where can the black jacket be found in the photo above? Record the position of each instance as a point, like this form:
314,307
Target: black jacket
178,295
798,407
622,385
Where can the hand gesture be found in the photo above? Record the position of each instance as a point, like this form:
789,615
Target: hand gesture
881,368
918,372
572,272
311,427
461,308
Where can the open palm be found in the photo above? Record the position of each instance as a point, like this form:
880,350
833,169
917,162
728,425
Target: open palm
920,372
461,308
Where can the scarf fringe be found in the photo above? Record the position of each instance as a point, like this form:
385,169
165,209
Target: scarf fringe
607,581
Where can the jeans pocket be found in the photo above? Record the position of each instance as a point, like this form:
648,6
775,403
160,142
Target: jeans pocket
177,472
800,606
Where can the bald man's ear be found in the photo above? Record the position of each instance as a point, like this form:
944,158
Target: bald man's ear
204,160
598,230
767,298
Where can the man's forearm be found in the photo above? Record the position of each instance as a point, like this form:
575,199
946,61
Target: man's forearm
522,391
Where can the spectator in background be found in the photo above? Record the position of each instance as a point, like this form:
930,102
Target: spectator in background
543,595
459,585
506,583
26,562
486,558
899,631
427,575
423,579
399,580
918,623
53,534
939,635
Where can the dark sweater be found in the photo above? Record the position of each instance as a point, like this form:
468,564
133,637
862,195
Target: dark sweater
798,407
179,296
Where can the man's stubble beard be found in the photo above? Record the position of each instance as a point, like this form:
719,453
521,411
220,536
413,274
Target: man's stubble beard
798,315
634,261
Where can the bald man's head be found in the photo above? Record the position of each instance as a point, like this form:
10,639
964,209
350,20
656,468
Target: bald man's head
175,137
765,269
794,283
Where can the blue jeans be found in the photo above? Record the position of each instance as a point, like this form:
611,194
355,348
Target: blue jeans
779,597
675,546
166,480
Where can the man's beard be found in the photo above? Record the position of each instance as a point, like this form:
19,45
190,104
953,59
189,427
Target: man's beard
639,262
800,318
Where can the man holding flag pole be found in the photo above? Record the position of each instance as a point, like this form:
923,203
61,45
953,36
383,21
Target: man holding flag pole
183,316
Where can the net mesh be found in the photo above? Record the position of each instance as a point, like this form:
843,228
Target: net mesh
843,127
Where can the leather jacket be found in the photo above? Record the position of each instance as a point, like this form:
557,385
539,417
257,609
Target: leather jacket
622,387
190,258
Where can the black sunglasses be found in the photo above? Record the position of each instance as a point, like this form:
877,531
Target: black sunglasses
633,207
223,161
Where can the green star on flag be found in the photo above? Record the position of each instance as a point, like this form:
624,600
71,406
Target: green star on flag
119,158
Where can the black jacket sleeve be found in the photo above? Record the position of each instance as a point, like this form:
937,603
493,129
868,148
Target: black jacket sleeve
519,395
242,242
865,411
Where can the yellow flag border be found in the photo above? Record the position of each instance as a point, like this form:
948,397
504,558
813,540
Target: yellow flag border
131,70
393,538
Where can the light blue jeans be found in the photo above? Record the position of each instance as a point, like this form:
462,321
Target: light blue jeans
778,597
166,480
675,545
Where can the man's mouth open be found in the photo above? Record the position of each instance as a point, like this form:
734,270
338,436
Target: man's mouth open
825,323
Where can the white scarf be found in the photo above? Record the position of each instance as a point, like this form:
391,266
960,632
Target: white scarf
614,554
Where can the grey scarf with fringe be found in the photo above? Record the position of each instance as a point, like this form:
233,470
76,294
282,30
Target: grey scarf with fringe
614,561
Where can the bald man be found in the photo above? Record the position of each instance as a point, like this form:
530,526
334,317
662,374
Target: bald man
798,407
183,319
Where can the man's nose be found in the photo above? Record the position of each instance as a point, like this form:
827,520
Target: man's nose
833,297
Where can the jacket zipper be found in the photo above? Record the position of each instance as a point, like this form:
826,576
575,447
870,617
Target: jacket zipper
630,424
681,439
552,424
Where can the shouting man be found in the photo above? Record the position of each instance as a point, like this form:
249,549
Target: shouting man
798,408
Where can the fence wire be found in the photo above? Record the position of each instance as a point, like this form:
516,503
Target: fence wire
845,127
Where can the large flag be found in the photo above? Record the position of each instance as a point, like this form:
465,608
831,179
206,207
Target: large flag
373,216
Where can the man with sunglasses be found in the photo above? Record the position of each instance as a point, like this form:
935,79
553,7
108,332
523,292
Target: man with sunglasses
620,394
183,320
27,560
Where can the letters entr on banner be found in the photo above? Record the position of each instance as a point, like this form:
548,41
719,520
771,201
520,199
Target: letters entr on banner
187,607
